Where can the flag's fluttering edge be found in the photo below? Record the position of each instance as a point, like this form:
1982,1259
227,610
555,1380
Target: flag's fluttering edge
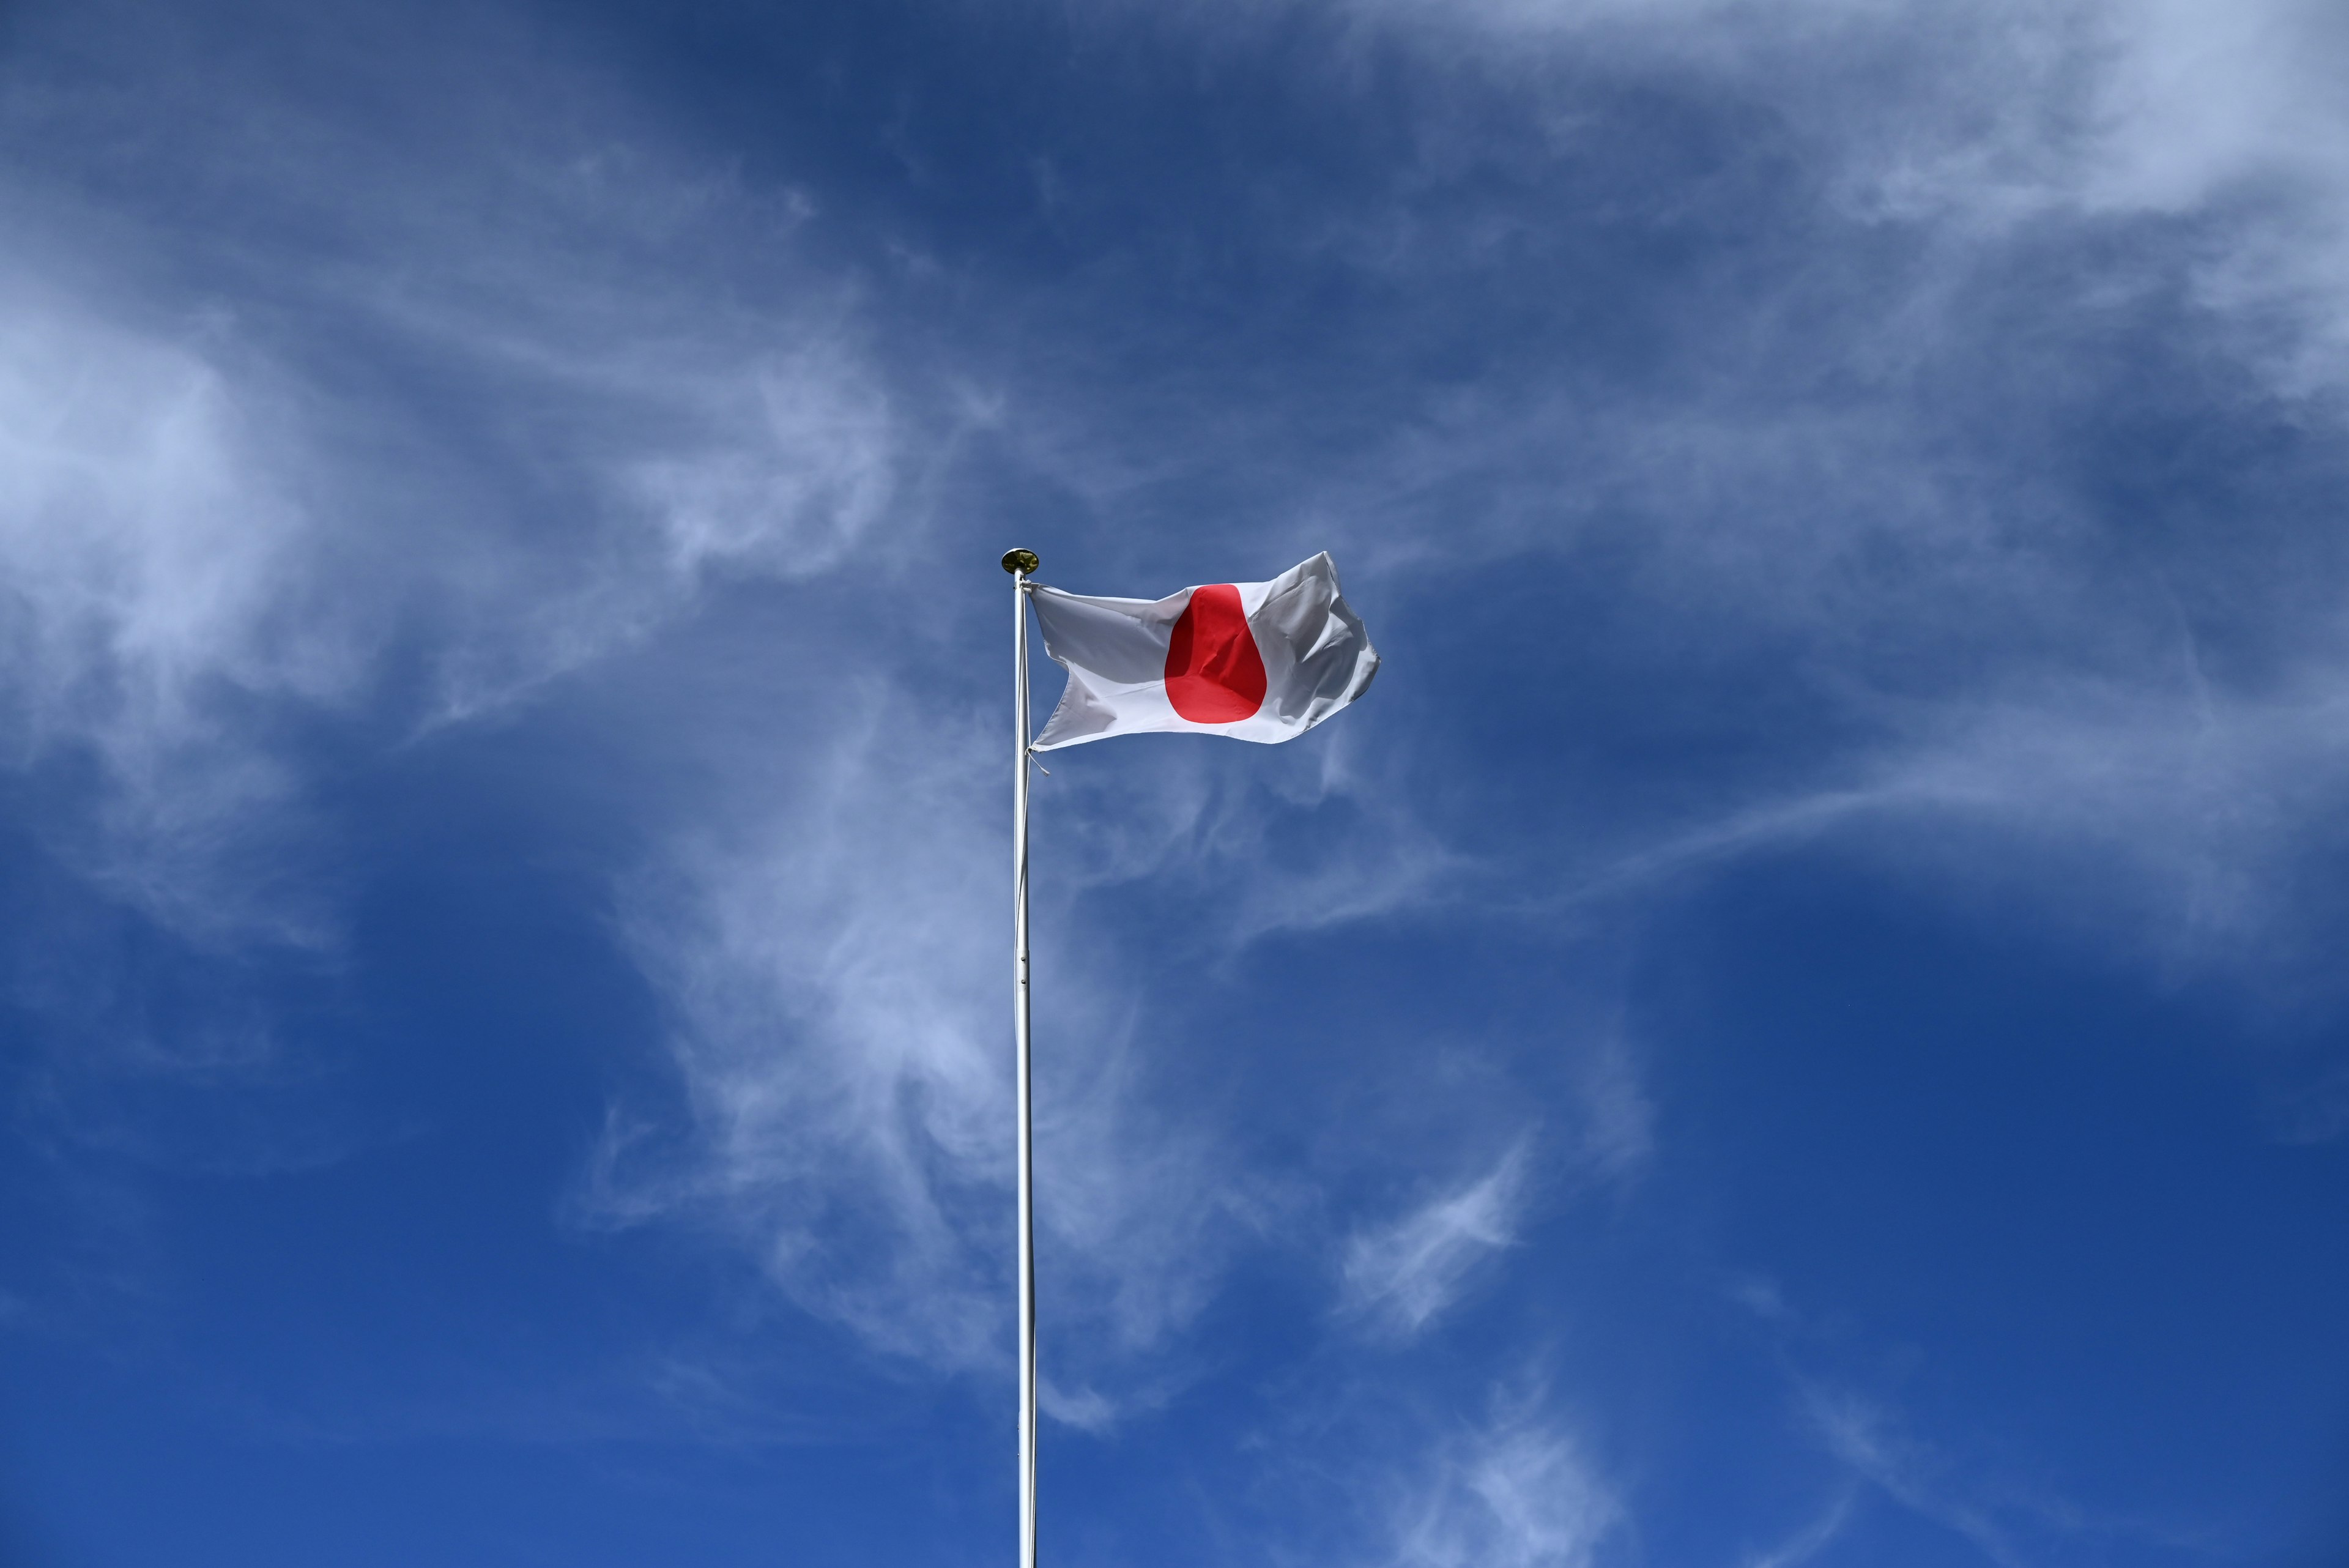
1257,661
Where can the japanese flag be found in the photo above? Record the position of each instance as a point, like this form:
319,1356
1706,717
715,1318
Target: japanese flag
1257,661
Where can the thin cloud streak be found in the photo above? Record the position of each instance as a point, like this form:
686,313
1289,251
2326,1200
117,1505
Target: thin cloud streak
1999,141
841,1048
1812,1539
2194,810
1399,1276
211,530
2001,115
1859,1435
154,559
1516,1492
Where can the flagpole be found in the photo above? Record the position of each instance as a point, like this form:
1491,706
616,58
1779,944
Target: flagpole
1020,564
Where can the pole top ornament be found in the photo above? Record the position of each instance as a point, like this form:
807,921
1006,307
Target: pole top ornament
1019,561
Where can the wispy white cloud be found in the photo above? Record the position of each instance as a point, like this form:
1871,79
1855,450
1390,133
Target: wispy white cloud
827,964
1402,1274
2225,119
1813,1538
1988,667
835,951
1976,120
157,560
206,521
1616,1135
801,462
2170,821
1516,1492
2008,1518
2008,1521
1086,1409
1862,1436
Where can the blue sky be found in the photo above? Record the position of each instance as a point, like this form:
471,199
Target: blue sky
1800,1023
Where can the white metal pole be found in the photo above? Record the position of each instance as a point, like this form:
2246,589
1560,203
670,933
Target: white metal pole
1020,564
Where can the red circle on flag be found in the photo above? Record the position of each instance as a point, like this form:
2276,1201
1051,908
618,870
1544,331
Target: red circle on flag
1213,673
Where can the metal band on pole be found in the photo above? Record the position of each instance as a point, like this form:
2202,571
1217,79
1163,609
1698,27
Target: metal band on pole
1020,564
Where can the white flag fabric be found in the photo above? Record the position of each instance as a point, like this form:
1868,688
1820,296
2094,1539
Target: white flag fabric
1257,661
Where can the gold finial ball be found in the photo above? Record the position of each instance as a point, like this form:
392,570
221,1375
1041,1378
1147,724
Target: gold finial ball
1018,561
